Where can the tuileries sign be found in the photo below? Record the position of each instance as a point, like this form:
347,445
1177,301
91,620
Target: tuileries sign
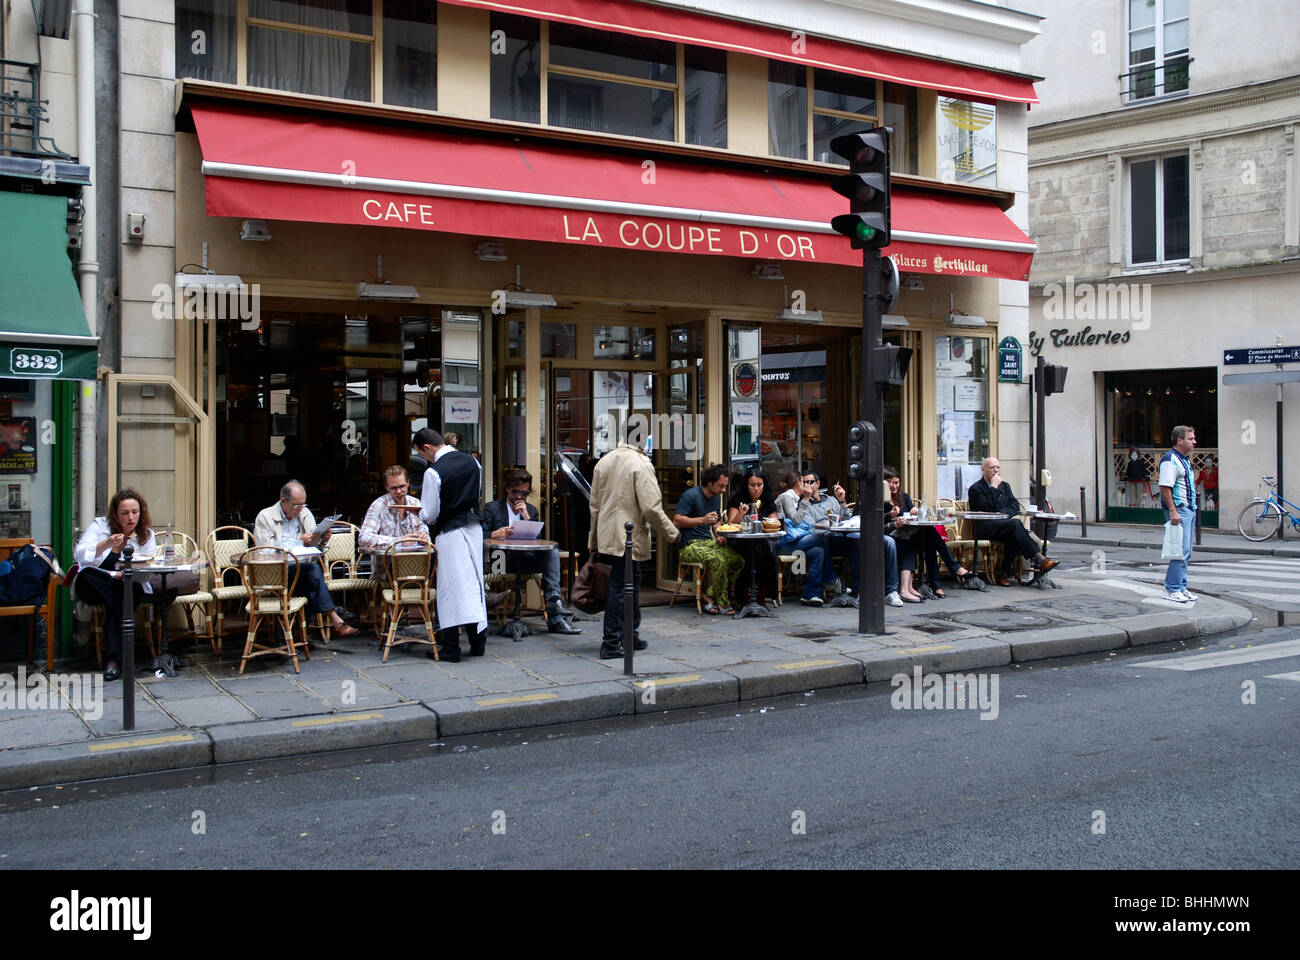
1087,337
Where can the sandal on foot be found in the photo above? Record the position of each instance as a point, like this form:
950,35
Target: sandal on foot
712,608
728,611
344,630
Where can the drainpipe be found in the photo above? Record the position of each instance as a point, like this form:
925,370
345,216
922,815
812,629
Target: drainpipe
88,264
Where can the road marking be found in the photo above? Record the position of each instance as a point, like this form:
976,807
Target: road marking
664,681
146,742
937,646
1224,658
342,718
528,698
1294,675
804,663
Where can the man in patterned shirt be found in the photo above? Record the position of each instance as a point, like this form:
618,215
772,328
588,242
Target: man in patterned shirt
383,525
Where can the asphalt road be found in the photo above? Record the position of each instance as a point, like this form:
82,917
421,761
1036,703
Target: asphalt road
1171,764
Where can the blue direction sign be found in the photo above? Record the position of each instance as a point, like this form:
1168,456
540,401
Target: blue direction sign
1261,355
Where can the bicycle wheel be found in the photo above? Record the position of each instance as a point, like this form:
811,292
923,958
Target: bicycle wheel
1259,520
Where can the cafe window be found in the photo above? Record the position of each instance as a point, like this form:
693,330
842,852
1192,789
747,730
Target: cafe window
515,45
327,48
606,82
841,103
968,142
612,83
961,398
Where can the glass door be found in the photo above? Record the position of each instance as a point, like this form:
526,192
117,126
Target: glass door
962,436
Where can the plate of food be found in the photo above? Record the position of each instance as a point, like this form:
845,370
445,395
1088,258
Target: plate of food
772,526
728,528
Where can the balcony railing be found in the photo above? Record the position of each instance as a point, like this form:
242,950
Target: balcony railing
1149,81
22,110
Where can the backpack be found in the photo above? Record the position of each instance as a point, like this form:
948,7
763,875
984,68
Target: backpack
23,577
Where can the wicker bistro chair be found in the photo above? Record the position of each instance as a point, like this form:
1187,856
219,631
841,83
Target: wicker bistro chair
222,554
200,602
340,565
409,564
97,626
266,572
696,571
961,541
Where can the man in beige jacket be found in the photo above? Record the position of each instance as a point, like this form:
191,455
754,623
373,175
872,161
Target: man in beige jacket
624,489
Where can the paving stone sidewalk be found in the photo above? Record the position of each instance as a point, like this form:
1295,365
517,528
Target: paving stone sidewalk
346,697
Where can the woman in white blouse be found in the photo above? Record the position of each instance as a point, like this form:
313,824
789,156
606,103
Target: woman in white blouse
101,547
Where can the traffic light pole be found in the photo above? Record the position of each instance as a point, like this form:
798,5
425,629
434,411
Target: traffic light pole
871,578
1040,439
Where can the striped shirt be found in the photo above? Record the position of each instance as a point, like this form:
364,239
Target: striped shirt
1176,474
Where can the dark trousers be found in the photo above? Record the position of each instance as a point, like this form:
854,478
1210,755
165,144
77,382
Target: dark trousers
936,549
613,635
311,584
1013,535
99,590
761,555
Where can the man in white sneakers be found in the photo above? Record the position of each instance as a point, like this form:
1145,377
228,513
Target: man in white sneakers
1178,497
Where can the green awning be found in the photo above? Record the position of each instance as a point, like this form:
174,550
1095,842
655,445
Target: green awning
43,330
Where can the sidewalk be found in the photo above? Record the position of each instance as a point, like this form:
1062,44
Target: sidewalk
345,697
1145,535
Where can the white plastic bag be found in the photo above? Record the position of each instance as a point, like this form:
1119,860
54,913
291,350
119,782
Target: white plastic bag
1173,545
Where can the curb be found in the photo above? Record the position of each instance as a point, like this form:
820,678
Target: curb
1285,549
155,752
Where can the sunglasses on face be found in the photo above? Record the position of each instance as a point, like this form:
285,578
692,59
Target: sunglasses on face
520,491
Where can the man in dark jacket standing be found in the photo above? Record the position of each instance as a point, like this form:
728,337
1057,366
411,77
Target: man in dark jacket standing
502,514
992,494
449,502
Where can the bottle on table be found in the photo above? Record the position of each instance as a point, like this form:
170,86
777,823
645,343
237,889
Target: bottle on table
169,545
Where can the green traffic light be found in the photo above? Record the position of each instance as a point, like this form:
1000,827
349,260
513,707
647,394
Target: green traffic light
864,232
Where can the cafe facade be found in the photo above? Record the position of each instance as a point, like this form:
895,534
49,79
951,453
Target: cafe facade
522,224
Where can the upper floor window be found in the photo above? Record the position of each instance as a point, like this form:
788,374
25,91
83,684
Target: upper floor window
841,103
1159,210
329,48
968,142
607,82
1157,48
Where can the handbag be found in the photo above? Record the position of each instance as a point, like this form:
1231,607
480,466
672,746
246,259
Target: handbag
795,531
1172,549
591,587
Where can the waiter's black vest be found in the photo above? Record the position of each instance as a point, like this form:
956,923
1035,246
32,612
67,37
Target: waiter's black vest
459,473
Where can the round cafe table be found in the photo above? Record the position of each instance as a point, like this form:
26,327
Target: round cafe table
515,628
165,661
753,608
842,598
975,582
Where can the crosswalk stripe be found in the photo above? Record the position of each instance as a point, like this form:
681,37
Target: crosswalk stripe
1293,675
1224,658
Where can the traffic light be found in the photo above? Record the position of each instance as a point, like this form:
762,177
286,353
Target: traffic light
888,284
862,451
889,363
1053,379
866,185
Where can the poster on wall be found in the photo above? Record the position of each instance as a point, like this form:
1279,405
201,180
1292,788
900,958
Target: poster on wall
17,445
460,409
968,395
745,414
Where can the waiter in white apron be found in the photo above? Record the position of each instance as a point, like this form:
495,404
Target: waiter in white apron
449,499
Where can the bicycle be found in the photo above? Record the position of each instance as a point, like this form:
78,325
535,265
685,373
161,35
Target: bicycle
1261,518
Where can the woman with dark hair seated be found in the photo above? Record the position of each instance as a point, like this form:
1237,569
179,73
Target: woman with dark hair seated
750,497
912,539
98,552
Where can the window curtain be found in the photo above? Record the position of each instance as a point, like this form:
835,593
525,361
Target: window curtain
287,60
787,120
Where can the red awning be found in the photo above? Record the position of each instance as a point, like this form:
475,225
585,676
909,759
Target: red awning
686,26
273,166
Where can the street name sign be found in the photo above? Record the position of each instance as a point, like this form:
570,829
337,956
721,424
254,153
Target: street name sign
1261,355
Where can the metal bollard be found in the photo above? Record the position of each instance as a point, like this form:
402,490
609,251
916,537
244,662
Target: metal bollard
1083,512
1198,524
629,627
128,640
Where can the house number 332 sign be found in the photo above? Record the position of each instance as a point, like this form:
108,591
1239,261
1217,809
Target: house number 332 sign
35,362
